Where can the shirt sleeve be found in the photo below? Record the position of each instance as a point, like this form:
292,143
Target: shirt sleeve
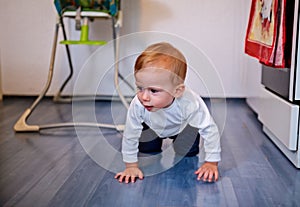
208,130
132,132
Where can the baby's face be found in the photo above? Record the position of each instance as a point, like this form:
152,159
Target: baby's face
155,88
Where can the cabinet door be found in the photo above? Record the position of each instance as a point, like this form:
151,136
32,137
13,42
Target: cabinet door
281,118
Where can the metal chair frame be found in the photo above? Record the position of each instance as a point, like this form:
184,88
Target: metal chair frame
22,126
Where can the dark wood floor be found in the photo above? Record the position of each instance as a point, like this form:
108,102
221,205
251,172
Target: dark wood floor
52,168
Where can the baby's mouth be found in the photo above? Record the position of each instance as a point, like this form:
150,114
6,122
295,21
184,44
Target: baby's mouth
149,108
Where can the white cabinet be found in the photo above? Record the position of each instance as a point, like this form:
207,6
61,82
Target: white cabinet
280,117
280,120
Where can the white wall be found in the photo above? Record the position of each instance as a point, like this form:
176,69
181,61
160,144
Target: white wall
217,28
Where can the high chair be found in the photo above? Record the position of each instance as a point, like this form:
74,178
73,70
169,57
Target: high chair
82,11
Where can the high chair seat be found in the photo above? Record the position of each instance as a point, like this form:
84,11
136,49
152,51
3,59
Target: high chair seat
92,14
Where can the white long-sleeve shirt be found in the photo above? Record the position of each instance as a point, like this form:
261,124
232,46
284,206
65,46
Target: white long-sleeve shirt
189,109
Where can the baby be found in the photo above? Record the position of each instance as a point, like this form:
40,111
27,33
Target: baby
164,108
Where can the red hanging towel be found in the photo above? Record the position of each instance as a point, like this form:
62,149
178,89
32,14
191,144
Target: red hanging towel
269,32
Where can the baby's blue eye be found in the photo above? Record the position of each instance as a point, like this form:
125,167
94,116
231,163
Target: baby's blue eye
154,90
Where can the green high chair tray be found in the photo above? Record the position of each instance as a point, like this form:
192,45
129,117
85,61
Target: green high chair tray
84,37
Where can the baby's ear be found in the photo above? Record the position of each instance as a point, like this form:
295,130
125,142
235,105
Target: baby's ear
179,90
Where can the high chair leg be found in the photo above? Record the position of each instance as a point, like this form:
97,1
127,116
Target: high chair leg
116,33
21,124
57,97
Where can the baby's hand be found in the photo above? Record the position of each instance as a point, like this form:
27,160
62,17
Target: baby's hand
129,174
208,172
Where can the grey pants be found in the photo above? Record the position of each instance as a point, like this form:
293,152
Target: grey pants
185,143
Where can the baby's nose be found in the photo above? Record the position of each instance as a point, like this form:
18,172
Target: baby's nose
145,95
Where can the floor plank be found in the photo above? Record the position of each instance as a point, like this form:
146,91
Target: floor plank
51,168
